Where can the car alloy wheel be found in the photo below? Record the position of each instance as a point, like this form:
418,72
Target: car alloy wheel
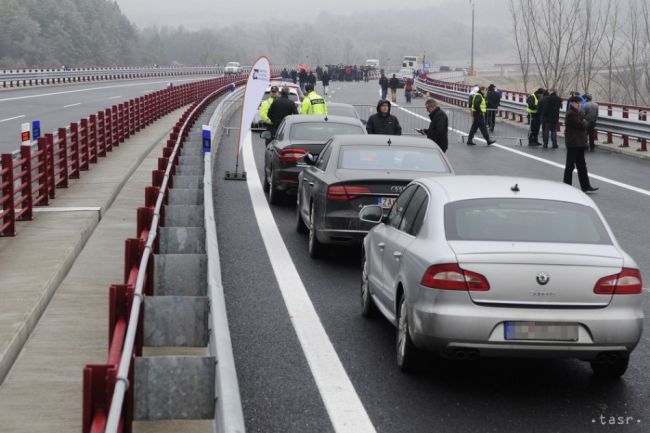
315,247
407,353
368,307
275,196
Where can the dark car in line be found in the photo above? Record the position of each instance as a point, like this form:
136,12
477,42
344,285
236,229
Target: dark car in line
297,136
355,171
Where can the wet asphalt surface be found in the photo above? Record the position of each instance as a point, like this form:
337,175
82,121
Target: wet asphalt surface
490,395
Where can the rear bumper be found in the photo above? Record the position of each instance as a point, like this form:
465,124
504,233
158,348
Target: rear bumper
444,322
343,227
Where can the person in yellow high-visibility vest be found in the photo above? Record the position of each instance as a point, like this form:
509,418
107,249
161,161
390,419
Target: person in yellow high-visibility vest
313,102
264,111
532,107
479,107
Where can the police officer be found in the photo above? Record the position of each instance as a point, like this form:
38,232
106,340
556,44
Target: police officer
313,102
532,107
264,110
479,107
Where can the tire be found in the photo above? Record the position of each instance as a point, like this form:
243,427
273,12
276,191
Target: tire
316,249
275,196
408,356
265,182
368,307
610,367
301,227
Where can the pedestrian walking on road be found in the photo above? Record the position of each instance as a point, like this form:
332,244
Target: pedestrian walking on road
590,110
393,84
383,84
493,101
575,137
408,90
281,108
383,122
479,107
551,104
532,107
302,79
325,79
439,126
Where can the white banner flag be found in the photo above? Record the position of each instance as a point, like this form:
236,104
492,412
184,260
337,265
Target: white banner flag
258,80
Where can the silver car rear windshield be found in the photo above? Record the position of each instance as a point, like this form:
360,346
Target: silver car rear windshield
322,131
523,220
342,111
392,159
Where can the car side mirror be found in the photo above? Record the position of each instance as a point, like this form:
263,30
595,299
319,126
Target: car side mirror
309,159
266,135
372,214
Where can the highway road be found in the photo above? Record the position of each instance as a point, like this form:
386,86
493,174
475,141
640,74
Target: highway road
58,106
286,384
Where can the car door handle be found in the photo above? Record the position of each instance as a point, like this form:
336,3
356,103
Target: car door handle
397,254
311,183
381,245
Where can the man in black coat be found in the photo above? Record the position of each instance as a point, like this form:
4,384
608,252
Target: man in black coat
281,108
575,138
383,122
439,126
493,99
551,106
325,78
383,83
393,83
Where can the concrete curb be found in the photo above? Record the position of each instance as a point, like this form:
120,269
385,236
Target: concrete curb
15,346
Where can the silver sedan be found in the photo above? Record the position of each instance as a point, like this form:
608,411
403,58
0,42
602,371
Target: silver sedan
469,266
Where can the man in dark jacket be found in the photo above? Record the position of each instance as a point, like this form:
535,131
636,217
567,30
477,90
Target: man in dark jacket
325,78
493,101
393,84
281,108
383,83
383,122
302,79
575,137
311,79
551,106
437,130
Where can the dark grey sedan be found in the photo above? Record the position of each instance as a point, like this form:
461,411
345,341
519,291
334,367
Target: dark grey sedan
355,171
298,135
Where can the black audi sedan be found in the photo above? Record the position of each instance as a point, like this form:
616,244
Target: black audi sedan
297,136
355,171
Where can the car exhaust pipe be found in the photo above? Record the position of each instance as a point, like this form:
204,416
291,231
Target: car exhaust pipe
465,354
607,357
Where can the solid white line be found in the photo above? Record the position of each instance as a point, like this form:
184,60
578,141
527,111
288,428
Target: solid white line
72,105
90,89
544,161
13,118
66,209
115,97
339,396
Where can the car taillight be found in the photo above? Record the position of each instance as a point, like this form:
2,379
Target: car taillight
291,154
450,276
626,282
346,192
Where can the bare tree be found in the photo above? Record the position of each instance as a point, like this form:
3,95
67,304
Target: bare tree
519,10
594,19
610,51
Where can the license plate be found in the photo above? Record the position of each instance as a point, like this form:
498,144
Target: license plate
541,331
387,202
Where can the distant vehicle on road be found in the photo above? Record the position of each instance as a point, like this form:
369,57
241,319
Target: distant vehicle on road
411,62
373,63
341,109
357,170
517,267
232,68
296,136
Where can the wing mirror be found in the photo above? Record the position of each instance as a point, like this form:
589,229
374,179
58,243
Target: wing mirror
309,159
266,135
372,214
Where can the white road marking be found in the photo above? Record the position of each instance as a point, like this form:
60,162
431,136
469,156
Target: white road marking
343,405
72,105
67,209
13,118
542,160
115,97
90,89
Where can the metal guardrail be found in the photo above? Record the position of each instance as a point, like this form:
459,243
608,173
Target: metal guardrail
457,94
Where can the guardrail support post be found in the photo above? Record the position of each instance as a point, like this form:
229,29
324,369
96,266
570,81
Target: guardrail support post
49,163
8,221
84,150
26,179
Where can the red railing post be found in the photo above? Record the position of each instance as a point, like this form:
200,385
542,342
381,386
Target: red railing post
84,150
51,180
91,128
43,180
74,152
8,220
108,129
120,123
101,134
26,183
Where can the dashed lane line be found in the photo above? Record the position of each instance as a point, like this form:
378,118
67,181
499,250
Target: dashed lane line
13,118
539,159
342,403
115,97
72,105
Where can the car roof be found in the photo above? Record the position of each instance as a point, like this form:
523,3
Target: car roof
305,118
468,187
379,140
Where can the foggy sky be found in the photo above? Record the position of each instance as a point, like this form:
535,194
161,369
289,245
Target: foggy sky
199,14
